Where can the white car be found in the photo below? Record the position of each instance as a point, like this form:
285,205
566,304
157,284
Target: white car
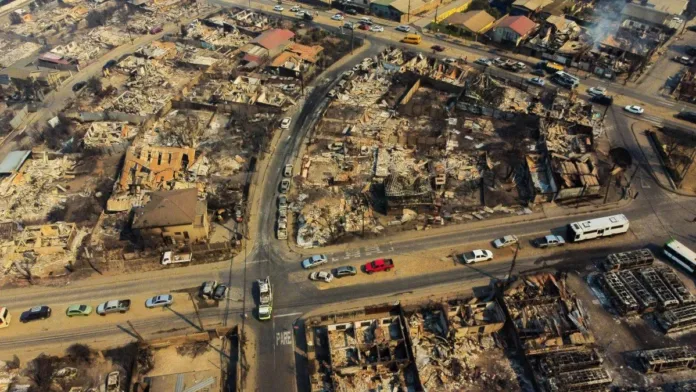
596,91
477,255
285,123
348,25
337,17
537,80
278,8
483,61
295,9
314,261
505,241
159,300
365,20
321,275
635,109
403,28
450,60
300,13
377,28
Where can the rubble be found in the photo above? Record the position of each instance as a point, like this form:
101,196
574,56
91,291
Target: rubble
668,359
678,319
629,260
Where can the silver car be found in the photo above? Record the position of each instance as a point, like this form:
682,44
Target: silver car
314,261
505,241
159,301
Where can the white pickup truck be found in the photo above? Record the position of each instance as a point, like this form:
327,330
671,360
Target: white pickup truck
170,257
477,255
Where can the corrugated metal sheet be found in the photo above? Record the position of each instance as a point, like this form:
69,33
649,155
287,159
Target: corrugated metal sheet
13,161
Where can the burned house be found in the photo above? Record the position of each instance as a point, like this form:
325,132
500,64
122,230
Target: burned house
408,192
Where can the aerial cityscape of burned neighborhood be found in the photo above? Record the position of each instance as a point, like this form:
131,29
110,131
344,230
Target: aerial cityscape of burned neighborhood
347,195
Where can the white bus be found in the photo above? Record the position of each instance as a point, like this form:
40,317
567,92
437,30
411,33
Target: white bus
681,255
597,228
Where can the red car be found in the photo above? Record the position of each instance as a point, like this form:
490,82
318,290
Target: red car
438,48
364,27
155,30
379,265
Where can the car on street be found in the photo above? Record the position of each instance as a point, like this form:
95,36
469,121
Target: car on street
282,202
285,123
314,261
441,36
594,91
109,64
686,115
300,14
159,300
78,310
321,275
538,72
239,213
220,292
35,313
348,25
346,270
476,256
295,9
337,17
403,28
78,86
282,232
365,20
536,81
605,100
378,265
207,288
351,11
156,30
113,306
635,109
287,171
505,241
450,60
278,8
550,241
284,185
682,60
377,28
438,48
499,61
483,61
363,26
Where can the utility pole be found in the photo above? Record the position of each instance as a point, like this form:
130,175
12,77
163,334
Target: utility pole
408,16
352,37
198,315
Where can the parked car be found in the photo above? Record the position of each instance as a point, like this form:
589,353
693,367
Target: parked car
337,17
605,100
109,64
450,60
537,81
483,61
239,213
314,261
321,275
78,86
285,123
351,11
307,16
365,20
78,310
538,72
282,202
403,28
345,271
159,301
498,61
594,91
377,28
348,25
35,313
207,289
363,26
295,9
505,241
379,265
113,306
682,60
477,255
686,115
220,292
550,241
156,29
438,48
278,8
284,185
282,232
441,36
635,109
287,171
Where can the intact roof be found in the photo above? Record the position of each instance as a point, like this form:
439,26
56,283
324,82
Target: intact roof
472,20
647,14
287,60
532,5
522,25
403,5
306,53
672,7
13,161
271,39
169,208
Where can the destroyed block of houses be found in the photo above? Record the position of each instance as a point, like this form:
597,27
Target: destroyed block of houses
109,135
149,168
172,217
414,193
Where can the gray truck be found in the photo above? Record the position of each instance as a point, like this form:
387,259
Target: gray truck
550,241
113,306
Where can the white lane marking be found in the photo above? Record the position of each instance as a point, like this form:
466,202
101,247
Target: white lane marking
256,261
287,314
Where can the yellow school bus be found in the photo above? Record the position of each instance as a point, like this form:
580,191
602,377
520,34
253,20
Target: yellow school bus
412,39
